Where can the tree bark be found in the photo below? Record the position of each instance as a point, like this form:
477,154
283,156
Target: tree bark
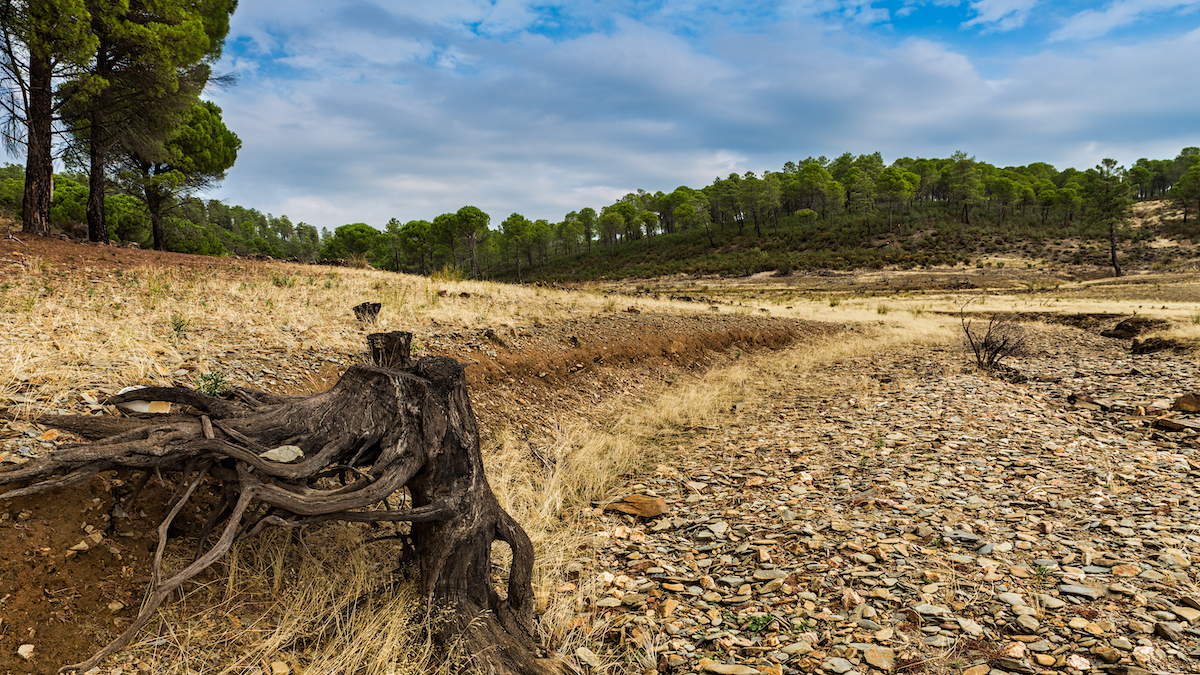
39,162
387,429
97,152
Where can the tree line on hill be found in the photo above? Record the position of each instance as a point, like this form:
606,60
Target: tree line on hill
112,89
851,211
813,205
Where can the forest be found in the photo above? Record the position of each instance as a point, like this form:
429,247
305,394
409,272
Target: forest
849,212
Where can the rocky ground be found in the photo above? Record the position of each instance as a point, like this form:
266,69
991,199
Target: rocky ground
895,513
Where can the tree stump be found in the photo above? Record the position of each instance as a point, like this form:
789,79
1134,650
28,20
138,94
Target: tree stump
385,429
391,350
367,311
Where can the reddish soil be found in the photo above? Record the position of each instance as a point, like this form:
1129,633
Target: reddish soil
523,378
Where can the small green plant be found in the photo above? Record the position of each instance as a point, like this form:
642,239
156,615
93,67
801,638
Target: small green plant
1196,317
283,280
834,302
213,384
882,309
1041,575
758,623
179,326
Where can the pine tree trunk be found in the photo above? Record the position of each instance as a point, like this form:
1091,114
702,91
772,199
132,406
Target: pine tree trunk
39,162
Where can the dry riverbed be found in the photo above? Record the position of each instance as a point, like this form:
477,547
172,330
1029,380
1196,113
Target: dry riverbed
893,512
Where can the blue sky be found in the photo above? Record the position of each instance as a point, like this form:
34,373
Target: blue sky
363,111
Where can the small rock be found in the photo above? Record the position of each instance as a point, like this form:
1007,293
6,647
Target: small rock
1107,654
640,505
1084,591
1011,599
837,665
930,610
939,640
880,657
1167,633
1050,602
969,626
589,657
280,668
981,669
1028,622
728,669
1078,662
768,575
25,651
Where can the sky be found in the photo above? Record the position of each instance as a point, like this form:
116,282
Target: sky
360,111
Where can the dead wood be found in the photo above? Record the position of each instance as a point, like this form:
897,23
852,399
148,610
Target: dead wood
379,430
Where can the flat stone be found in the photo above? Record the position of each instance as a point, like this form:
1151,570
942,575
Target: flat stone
767,575
1167,632
1107,654
1010,599
981,669
1050,602
1029,623
939,641
728,669
1187,613
1083,591
930,610
969,626
837,665
963,535
798,647
882,658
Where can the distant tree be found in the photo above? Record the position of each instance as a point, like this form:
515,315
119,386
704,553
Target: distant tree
195,159
415,241
1006,191
357,240
514,233
964,182
1108,196
472,226
835,199
610,223
1187,189
587,221
896,186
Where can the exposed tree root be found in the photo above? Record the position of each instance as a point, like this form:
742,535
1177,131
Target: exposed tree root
378,430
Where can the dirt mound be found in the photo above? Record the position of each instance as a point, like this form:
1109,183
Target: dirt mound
1135,326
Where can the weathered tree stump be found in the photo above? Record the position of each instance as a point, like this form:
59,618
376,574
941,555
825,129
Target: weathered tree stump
391,350
381,430
367,312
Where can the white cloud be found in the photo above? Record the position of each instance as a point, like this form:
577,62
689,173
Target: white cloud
1000,15
1091,23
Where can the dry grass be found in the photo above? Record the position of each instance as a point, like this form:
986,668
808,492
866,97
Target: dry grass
63,333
